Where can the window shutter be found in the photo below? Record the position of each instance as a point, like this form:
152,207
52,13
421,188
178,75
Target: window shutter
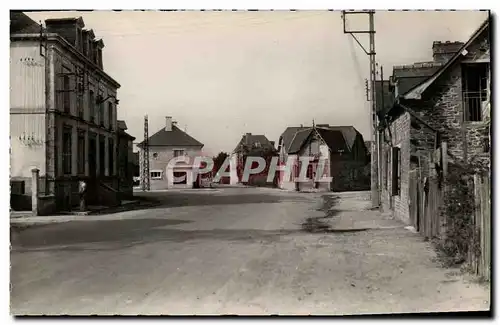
395,171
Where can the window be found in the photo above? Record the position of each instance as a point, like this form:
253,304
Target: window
257,144
101,109
475,90
85,44
178,152
102,153
79,101
110,115
396,171
66,94
91,105
156,174
111,156
66,154
81,152
99,58
486,144
309,173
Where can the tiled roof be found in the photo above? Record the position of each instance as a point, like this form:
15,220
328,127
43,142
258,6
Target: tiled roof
333,136
176,137
287,136
334,140
298,140
349,133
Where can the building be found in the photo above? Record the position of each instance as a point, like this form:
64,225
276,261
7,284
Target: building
342,149
63,109
256,145
126,161
168,143
448,101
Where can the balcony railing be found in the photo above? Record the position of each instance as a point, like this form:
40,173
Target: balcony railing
474,102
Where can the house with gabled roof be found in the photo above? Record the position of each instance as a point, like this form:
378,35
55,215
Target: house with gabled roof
342,150
255,145
449,101
166,144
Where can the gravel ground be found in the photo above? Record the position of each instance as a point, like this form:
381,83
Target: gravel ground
235,251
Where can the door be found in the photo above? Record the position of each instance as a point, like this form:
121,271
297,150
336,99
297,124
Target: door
180,178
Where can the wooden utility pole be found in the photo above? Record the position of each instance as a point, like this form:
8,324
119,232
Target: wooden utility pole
375,147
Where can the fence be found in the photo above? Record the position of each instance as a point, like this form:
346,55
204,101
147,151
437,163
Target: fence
426,200
480,260
425,204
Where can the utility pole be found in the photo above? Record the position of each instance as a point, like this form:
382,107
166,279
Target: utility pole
375,147
145,158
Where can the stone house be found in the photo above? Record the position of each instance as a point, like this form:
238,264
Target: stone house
342,150
446,100
168,143
63,109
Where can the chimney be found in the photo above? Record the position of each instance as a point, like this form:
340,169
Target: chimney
443,51
168,123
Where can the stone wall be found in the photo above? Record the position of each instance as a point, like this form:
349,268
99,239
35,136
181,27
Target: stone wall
400,137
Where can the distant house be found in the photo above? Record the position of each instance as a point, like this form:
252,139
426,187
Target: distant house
168,143
255,145
341,147
447,100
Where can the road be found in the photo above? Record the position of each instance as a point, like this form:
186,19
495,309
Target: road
234,251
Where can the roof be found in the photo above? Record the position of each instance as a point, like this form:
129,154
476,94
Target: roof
254,138
334,138
176,137
408,76
349,133
298,140
121,124
287,136
417,91
21,23
122,133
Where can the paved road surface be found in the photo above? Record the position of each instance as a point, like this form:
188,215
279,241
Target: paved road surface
233,251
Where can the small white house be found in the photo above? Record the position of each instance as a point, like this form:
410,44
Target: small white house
168,143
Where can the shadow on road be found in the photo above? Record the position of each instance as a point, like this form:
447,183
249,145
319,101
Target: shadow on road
119,234
179,199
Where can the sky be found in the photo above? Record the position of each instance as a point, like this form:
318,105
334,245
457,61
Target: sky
223,74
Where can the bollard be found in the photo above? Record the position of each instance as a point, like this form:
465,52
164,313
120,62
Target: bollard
34,191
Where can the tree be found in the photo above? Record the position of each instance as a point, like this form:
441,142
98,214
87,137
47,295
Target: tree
219,160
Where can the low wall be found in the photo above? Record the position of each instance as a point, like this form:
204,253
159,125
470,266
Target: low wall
47,205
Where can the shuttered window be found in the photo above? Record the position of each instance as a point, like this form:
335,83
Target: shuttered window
396,171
